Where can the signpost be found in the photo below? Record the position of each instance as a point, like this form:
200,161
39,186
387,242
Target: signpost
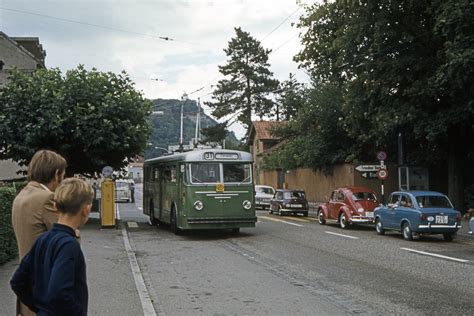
382,173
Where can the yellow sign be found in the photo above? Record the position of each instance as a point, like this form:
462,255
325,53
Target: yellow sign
107,209
220,187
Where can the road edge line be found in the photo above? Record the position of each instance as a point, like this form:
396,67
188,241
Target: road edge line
145,300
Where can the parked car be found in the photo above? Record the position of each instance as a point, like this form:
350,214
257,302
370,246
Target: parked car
418,212
263,195
349,205
289,201
123,191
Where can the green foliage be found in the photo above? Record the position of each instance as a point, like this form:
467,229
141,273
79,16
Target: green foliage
8,248
290,99
215,134
248,81
403,67
92,118
315,137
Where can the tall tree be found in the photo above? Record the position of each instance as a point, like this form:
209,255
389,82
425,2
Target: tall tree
92,118
291,97
248,81
404,66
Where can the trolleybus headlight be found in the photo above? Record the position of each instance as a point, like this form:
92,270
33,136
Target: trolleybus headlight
247,204
198,205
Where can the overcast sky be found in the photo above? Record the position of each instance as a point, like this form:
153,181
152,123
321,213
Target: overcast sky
128,38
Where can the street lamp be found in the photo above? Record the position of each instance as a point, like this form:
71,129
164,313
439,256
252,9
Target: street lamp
184,98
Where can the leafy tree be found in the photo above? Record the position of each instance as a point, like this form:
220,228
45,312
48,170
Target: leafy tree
315,137
248,81
404,66
92,118
215,133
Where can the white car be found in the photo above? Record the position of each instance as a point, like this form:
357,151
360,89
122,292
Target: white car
263,195
122,191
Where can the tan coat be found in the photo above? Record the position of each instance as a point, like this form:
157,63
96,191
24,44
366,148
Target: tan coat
33,213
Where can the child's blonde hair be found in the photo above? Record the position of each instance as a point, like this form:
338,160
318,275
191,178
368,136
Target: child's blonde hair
72,194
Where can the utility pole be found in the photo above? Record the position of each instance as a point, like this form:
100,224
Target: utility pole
183,99
198,124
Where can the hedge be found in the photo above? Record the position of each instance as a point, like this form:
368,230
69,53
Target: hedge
8,248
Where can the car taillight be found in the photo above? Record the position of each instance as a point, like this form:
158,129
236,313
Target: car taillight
423,217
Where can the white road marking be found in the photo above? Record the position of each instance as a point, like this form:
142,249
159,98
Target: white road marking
435,255
279,221
290,223
132,224
341,235
147,305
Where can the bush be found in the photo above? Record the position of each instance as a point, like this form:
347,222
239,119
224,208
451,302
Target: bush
8,248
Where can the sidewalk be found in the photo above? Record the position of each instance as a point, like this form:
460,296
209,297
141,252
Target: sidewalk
112,289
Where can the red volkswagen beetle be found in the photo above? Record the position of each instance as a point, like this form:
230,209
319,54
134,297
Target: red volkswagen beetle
349,205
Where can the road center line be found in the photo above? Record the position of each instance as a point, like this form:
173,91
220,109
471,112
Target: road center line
346,236
435,255
296,219
280,221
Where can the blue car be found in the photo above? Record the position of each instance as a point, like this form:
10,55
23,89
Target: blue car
418,212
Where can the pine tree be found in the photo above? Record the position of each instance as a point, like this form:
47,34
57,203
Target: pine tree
247,83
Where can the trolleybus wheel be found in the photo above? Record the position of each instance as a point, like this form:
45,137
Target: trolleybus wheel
174,223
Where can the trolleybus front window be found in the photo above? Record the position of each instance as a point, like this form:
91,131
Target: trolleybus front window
237,172
205,173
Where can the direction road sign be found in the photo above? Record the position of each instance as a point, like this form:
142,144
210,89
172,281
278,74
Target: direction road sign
382,174
369,174
367,168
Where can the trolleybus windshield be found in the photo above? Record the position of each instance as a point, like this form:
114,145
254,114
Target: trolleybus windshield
221,172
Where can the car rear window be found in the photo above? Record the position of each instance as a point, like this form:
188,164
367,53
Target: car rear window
367,196
428,201
293,195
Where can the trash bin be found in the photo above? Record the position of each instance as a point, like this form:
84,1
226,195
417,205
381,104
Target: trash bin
107,205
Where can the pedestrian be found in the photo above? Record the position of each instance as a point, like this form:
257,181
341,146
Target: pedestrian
33,210
132,190
51,278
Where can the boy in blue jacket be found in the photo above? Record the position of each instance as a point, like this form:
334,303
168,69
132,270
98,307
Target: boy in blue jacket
51,278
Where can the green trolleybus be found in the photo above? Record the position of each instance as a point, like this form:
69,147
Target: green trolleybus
203,189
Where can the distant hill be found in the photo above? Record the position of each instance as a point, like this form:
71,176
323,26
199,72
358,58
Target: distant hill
165,127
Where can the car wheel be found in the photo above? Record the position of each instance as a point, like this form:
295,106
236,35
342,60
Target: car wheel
305,214
235,230
174,223
153,220
407,232
270,211
378,227
343,221
321,218
449,236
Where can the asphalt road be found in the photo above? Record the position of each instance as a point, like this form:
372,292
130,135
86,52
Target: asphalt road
293,265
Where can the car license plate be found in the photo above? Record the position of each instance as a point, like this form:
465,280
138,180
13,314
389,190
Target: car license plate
441,219
296,205
369,214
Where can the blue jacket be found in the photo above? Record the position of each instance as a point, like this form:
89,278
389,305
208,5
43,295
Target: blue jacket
51,278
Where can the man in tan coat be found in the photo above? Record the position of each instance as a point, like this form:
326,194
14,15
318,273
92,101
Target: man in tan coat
33,210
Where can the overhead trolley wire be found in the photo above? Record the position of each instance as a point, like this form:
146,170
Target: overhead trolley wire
164,38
